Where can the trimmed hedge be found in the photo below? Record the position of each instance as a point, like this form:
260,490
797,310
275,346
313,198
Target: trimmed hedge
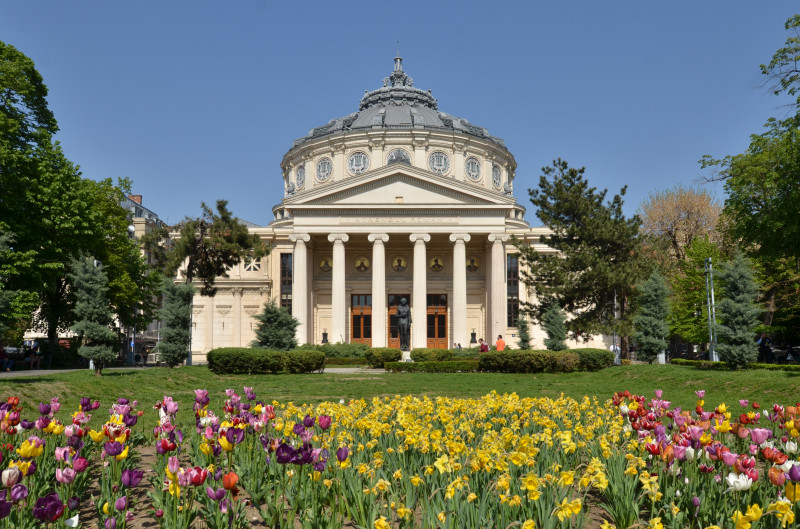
431,355
453,366
338,350
526,361
377,356
245,361
255,361
473,353
594,359
723,366
336,361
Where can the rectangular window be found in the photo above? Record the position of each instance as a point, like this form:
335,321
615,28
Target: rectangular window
286,281
512,290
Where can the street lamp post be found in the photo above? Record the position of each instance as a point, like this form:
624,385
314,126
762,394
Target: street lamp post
712,313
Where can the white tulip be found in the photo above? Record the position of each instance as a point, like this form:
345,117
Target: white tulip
739,481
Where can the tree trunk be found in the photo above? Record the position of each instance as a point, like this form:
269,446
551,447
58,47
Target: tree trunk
769,306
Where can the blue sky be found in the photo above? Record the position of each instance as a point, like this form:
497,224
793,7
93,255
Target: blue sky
199,100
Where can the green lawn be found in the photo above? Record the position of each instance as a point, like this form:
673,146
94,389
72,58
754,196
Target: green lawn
149,385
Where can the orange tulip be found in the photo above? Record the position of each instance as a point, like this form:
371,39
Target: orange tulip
776,476
230,480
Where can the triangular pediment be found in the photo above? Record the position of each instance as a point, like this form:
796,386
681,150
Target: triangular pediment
398,184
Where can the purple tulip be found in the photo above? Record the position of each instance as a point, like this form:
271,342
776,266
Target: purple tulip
130,420
215,495
85,403
19,492
122,401
249,393
794,473
44,408
216,450
342,453
131,478
324,421
32,468
73,503
285,454
111,523
48,509
308,421
121,503
319,466
234,435
5,508
298,428
26,425
759,435
113,448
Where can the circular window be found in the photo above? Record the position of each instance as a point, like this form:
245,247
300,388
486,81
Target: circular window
473,168
398,156
358,162
324,169
439,162
496,176
300,177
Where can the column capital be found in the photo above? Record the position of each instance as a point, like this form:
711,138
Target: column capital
333,237
378,237
498,237
295,237
419,237
460,237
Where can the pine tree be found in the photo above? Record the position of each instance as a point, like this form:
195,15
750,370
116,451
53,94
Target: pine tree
93,313
276,328
651,321
176,320
738,314
553,322
524,341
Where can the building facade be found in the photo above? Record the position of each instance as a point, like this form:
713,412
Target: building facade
397,200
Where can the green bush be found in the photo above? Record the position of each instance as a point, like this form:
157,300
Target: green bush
472,352
453,366
530,361
336,361
431,355
377,356
706,364
304,361
244,361
594,359
338,350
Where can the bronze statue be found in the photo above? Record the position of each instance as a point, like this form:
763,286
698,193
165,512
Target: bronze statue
404,324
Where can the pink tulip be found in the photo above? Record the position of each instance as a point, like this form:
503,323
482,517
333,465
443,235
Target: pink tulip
680,452
659,392
700,393
760,435
54,405
65,476
744,402
62,453
729,458
230,393
173,465
80,464
743,432
170,406
695,432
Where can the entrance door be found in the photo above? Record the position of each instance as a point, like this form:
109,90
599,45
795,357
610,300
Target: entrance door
361,318
437,321
394,301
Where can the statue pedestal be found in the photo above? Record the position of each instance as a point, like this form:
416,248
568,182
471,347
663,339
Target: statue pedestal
406,356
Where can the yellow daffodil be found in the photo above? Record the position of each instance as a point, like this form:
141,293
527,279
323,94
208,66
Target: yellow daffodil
655,523
528,524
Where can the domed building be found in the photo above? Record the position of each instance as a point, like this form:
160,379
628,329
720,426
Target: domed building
397,200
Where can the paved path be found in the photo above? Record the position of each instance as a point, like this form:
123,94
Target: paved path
42,372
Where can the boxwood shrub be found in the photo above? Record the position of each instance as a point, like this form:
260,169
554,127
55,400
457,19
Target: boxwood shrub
706,364
377,356
594,359
431,355
304,361
452,366
338,350
526,361
337,361
245,361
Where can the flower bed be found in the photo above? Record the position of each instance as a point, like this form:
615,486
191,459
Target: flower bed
496,461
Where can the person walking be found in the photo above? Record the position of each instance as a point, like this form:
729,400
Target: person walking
484,346
500,345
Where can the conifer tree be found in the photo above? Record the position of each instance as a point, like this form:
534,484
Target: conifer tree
524,341
651,320
553,322
737,314
93,313
176,321
276,328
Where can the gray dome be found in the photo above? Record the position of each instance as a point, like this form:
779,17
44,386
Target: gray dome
398,105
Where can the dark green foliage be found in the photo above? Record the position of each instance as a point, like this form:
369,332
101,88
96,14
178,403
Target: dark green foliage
431,355
737,314
553,324
344,361
300,361
651,319
377,356
339,350
93,314
472,352
594,359
598,253
275,328
530,361
176,320
523,333
243,361
453,366
722,366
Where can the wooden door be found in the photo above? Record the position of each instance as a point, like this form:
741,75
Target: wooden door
361,318
393,302
437,321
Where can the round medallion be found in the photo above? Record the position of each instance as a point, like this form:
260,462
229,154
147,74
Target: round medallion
473,168
326,265
362,264
300,177
358,162
324,169
437,264
398,156
399,264
439,162
473,263
496,176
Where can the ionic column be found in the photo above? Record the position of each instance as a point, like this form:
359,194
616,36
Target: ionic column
419,308
338,292
300,285
497,302
378,288
459,304
237,316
